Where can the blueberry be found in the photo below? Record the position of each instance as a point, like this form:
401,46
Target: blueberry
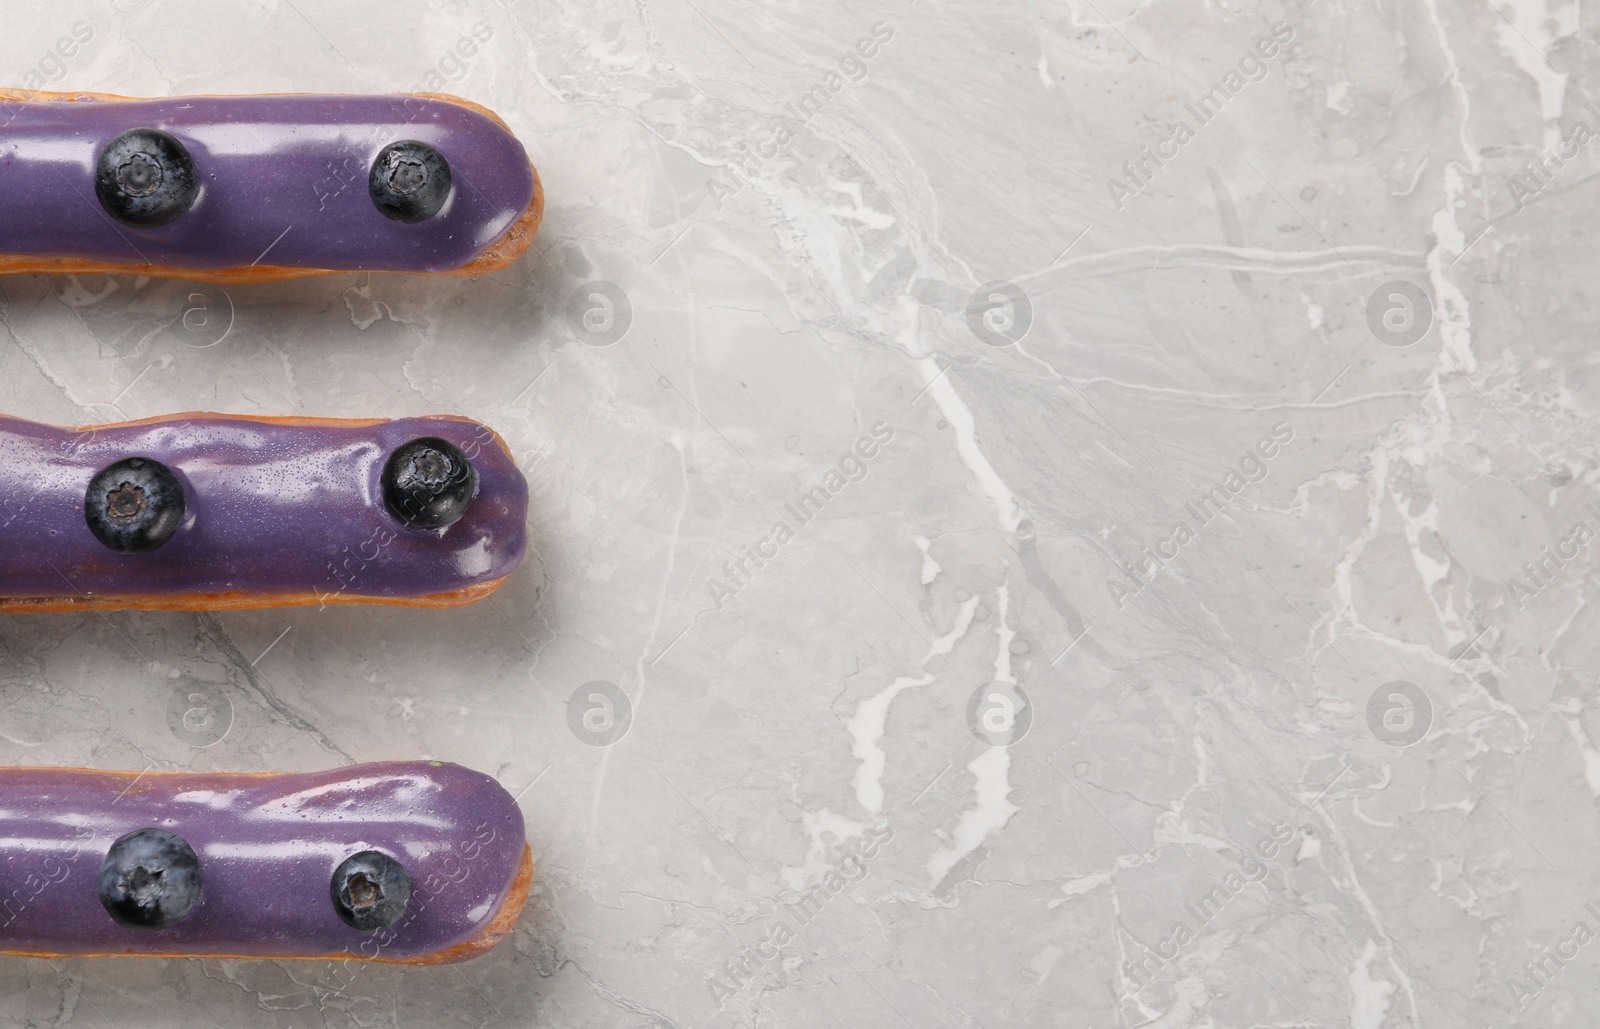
134,505
410,181
145,177
428,483
370,890
150,879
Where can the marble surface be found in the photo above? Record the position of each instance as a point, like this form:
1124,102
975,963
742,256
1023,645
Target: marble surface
1071,515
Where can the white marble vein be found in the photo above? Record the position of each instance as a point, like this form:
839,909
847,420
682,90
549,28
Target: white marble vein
1220,815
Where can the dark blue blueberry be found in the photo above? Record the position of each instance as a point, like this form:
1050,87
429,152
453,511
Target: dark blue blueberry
428,483
410,181
145,177
370,890
134,505
150,879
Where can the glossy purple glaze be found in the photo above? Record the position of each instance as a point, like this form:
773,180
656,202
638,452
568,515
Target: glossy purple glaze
271,509
268,846
283,181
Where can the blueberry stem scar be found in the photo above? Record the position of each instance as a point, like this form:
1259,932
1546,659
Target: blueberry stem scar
428,483
150,879
145,178
370,890
134,505
409,181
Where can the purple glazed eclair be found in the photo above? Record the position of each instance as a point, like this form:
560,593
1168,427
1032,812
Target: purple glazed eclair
210,512
260,188
411,862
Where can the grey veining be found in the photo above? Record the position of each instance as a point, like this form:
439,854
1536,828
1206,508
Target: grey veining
1231,378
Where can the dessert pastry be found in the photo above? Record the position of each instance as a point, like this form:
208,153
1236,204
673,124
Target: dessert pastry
411,862
260,188
209,511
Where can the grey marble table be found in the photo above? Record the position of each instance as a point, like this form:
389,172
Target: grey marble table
1073,515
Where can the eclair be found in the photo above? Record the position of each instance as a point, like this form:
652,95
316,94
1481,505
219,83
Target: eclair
260,188
409,862
214,512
